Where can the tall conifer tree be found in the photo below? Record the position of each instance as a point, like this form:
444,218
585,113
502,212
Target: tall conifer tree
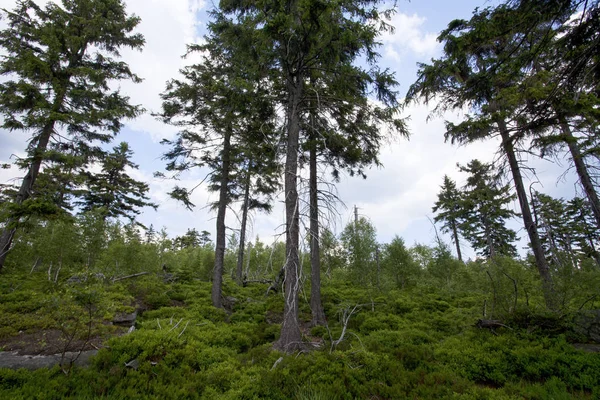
485,60
293,39
225,122
485,202
63,59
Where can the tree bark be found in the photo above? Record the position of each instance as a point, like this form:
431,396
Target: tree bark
217,285
290,338
240,260
534,238
318,315
582,171
455,235
26,187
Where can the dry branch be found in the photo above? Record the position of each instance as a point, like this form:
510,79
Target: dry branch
129,276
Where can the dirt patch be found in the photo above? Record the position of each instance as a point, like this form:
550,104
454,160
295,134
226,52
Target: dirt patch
51,341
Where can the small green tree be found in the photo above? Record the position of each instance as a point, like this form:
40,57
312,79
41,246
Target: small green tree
399,264
360,244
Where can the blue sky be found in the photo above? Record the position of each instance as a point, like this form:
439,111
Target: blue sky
396,198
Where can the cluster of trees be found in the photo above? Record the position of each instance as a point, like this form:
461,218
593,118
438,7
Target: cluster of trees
297,57
479,212
300,58
61,62
526,71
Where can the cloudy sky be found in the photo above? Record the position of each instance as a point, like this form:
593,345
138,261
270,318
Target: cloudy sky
396,198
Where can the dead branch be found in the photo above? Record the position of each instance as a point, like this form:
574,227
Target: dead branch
35,265
346,314
129,276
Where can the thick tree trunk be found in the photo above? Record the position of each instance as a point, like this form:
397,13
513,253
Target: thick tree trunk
582,171
25,190
534,238
318,316
290,338
455,236
222,208
240,260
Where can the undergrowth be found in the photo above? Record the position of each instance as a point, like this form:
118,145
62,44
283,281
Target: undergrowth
400,344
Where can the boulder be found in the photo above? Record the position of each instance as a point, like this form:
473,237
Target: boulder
15,361
125,319
587,324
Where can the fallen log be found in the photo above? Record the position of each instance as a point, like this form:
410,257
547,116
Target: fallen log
129,276
490,324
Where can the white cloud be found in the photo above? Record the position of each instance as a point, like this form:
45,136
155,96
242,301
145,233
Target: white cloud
397,198
402,193
168,26
408,35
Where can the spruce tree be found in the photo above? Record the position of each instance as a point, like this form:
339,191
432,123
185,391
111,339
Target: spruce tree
259,180
485,201
222,112
586,235
112,192
292,40
485,59
556,230
450,211
61,61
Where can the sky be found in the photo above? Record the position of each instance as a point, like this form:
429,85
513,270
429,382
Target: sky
397,198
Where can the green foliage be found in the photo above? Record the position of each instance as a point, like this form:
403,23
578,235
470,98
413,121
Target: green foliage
416,341
484,204
399,264
112,192
360,245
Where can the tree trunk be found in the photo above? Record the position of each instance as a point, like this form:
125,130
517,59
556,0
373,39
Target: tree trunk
455,236
318,316
488,239
582,171
290,338
25,190
222,208
240,260
534,238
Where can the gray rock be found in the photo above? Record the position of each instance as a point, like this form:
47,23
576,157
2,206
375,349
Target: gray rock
77,279
229,302
13,360
100,276
125,319
587,324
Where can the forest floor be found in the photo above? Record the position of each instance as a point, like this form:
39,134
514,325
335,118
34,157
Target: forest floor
417,343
